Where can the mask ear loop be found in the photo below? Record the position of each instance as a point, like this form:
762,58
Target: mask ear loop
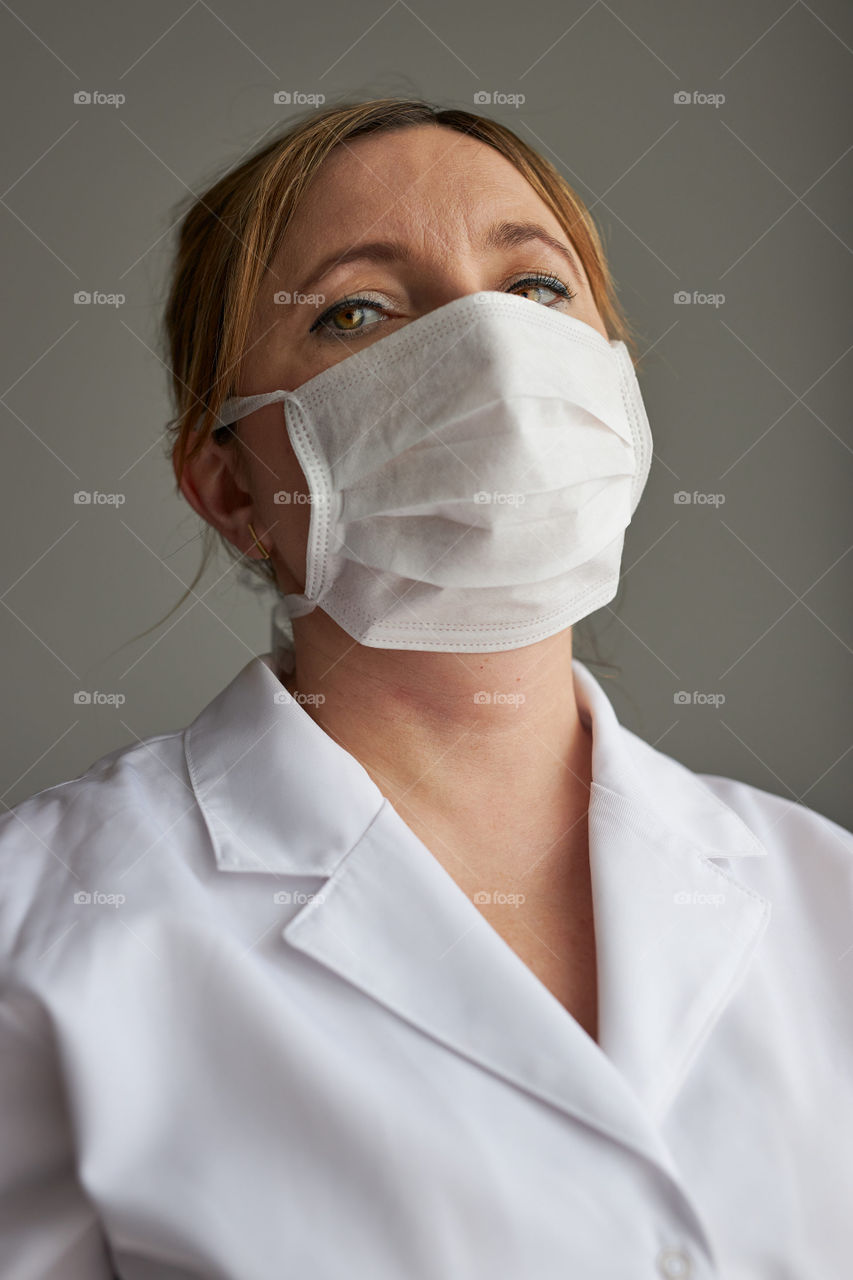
287,607
293,604
283,653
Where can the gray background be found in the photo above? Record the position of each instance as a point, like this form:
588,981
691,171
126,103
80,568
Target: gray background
750,399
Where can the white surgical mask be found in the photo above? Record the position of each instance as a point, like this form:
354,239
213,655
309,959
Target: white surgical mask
471,476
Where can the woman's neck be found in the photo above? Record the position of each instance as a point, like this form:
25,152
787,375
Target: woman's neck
485,756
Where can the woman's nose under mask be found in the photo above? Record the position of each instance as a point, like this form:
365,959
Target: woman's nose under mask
470,477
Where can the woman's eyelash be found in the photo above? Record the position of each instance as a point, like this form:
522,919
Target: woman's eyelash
358,302
541,277
354,303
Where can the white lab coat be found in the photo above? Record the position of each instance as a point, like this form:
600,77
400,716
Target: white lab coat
295,1048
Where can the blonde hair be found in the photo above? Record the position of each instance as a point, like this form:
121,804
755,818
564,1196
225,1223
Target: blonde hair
229,237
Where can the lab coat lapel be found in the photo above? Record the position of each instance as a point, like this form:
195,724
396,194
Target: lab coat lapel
674,937
675,929
279,796
395,924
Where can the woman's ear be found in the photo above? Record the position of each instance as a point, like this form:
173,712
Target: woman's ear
214,484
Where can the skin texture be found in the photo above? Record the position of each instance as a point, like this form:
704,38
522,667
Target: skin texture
497,792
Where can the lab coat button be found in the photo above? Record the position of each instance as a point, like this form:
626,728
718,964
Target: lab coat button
674,1264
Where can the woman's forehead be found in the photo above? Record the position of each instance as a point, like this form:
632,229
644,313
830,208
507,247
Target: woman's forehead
403,187
424,153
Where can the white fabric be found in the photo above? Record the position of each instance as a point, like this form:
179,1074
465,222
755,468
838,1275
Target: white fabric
297,1048
470,476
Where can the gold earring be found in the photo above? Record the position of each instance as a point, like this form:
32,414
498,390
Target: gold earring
258,544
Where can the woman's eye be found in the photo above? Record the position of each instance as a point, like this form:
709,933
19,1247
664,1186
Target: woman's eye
538,284
346,319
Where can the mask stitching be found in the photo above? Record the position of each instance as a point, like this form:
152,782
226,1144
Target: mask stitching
353,613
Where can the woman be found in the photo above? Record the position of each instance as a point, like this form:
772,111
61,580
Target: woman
490,987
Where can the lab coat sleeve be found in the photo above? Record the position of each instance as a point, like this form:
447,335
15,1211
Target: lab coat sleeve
48,1228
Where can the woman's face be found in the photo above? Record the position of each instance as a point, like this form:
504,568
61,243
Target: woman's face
404,222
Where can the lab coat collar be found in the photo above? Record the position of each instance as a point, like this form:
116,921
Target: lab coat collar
277,793
675,931
255,751
666,791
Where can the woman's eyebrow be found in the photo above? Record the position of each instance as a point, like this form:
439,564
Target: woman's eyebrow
510,235
501,235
